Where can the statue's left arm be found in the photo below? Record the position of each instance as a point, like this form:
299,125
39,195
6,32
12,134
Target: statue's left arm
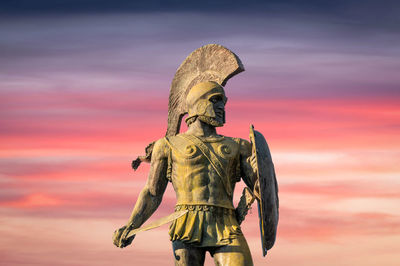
248,165
151,195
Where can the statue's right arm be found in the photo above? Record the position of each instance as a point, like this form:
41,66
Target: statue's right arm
151,195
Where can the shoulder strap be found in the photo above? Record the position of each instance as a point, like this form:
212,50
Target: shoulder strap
212,158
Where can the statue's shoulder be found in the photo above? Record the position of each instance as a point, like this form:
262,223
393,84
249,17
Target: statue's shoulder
176,141
161,142
231,139
244,145
175,138
241,142
160,148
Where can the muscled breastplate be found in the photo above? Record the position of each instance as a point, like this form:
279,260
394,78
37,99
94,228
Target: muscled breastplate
204,173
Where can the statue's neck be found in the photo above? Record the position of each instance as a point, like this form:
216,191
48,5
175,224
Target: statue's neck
201,129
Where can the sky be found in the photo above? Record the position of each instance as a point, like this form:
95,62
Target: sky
84,88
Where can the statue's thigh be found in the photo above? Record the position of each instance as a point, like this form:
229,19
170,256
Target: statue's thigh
235,254
187,255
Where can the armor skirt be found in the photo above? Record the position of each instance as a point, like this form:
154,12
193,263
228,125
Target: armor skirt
205,226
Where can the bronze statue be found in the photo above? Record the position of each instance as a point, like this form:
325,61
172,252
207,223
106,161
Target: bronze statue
203,168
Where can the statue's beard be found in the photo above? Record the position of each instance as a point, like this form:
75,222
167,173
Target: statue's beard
211,121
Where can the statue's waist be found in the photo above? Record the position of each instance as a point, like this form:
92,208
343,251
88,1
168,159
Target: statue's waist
202,196
206,208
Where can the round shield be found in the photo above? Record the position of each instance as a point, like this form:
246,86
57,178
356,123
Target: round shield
268,203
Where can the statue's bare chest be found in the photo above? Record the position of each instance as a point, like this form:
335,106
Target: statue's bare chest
186,154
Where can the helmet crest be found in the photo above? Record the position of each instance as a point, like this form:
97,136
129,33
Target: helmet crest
211,62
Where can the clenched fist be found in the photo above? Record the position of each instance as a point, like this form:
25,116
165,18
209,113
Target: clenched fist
119,237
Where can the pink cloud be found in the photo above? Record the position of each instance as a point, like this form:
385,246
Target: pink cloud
343,190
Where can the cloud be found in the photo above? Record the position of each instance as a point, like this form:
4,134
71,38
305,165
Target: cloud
292,57
340,190
328,226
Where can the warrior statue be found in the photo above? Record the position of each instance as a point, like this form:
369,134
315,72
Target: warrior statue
203,168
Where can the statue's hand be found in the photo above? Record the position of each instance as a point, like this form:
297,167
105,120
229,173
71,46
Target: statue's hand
119,237
253,162
256,190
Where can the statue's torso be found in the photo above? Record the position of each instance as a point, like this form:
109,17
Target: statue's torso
195,180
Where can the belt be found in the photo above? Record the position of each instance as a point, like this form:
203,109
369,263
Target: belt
205,208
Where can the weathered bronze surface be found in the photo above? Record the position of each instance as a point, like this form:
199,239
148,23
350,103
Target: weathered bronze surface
203,168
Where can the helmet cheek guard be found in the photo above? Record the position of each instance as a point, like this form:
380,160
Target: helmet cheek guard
206,108
202,107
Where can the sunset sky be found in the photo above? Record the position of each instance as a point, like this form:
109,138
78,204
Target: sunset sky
84,88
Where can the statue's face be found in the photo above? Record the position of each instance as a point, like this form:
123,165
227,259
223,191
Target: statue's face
217,103
219,108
